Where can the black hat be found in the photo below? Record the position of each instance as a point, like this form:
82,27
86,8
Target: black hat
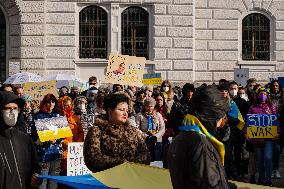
209,103
9,97
224,86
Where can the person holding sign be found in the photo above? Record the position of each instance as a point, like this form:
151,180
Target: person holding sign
263,147
113,141
49,152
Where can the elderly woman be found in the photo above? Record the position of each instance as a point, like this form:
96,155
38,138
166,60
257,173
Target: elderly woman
152,124
113,140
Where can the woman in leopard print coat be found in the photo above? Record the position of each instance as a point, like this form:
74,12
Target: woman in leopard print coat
113,140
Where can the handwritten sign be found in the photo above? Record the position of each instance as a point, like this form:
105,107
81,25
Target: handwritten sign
75,160
125,70
241,76
52,128
262,125
37,90
14,67
152,79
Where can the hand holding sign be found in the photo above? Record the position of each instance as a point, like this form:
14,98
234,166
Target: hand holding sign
260,126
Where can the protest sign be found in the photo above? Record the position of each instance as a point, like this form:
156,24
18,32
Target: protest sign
125,70
75,160
262,125
14,67
241,76
52,128
37,90
152,79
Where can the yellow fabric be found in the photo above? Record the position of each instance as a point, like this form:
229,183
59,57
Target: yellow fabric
135,176
219,146
242,122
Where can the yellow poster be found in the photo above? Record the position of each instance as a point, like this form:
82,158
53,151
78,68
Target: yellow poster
37,90
125,70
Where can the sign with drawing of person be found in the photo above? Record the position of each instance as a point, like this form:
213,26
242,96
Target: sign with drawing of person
125,70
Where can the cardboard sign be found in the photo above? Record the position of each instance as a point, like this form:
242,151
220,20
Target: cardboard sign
75,160
52,128
152,79
125,70
241,76
37,90
262,125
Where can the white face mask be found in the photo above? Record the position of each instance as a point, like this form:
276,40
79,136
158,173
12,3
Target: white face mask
166,89
233,92
244,96
10,117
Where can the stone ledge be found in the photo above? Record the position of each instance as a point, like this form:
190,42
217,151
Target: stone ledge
264,63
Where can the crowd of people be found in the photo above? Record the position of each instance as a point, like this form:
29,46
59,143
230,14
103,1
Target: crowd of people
198,132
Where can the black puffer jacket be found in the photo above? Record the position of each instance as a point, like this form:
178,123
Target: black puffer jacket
18,160
195,163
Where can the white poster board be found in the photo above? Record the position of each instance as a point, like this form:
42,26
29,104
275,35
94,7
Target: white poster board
241,76
14,67
75,160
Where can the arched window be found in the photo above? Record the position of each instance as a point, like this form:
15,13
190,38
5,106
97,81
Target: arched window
256,37
93,32
134,32
2,47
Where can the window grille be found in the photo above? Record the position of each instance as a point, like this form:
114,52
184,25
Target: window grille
134,32
93,33
256,37
2,47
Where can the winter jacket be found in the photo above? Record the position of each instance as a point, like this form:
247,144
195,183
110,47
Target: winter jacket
277,100
262,109
194,162
78,136
107,145
158,124
18,159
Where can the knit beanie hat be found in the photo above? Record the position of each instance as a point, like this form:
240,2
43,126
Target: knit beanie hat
150,102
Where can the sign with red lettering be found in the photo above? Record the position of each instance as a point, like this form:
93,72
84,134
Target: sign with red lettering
262,125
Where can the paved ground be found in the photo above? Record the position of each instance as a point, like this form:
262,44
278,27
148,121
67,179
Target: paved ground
280,182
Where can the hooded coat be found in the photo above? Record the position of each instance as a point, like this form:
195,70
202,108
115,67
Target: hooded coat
18,159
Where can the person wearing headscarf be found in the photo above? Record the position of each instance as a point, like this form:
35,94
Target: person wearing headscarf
49,152
195,156
151,123
19,162
112,140
65,108
80,109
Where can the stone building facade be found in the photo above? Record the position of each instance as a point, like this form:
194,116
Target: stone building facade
188,40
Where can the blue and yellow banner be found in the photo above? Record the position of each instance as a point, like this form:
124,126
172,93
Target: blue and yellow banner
152,79
262,126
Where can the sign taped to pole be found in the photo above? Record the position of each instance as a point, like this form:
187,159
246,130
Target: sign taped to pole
262,126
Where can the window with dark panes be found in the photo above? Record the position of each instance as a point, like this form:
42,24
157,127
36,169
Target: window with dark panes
2,47
256,37
135,32
93,33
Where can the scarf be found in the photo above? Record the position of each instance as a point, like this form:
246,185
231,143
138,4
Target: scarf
191,123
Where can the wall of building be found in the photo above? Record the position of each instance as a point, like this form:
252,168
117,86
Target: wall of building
189,40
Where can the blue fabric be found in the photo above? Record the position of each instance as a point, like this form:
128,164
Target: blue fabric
194,128
234,110
78,182
150,123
